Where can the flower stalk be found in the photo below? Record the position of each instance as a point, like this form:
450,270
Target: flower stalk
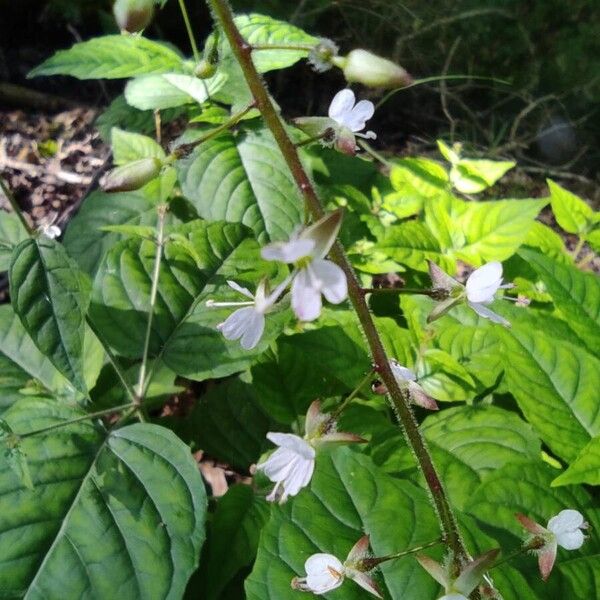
400,401
15,206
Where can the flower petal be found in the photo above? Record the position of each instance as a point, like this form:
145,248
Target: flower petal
306,297
324,572
279,465
341,105
357,119
420,398
434,568
323,233
292,442
570,540
486,313
242,290
236,323
299,477
402,374
288,252
332,280
565,520
484,282
255,327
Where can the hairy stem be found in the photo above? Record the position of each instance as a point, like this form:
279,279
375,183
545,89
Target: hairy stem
160,234
243,53
94,415
15,206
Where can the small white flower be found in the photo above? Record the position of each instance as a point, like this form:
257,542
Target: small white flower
567,526
325,572
248,323
346,112
48,228
290,467
314,275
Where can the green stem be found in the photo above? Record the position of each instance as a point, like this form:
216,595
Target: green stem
15,206
185,149
94,415
315,138
511,556
400,402
381,559
334,416
188,27
296,47
160,233
369,150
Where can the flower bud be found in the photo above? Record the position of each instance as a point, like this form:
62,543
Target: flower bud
133,15
204,69
371,70
132,176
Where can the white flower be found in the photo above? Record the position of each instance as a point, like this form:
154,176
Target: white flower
290,467
348,113
314,275
479,290
248,323
325,572
564,530
407,380
567,526
48,228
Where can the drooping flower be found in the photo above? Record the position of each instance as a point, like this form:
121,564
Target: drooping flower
313,274
248,323
325,572
347,118
564,530
291,466
407,380
48,228
479,290
459,588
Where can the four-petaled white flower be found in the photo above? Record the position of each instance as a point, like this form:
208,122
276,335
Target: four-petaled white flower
407,380
290,467
352,115
325,572
479,290
248,323
313,274
471,576
564,530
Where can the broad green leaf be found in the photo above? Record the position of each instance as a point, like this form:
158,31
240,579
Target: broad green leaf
128,147
412,244
51,296
469,443
554,381
347,498
84,239
143,231
184,333
261,29
450,154
470,176
443,377
418,175
12,233
572,213
232,540
575,294
494,230
170,90
335,357
111,57
593,239
585,468
120,512
228,423
243,179
548,241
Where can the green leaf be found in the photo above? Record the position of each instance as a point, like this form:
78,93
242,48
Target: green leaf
548,241
468,443
232,539
170,90
111,57
575,294
572,213
51,296
184,333
101,517
554,381
228,423
443,377
473,176
84,239
128,147
593,239
12,233
243,179
421,175
585,468
348,497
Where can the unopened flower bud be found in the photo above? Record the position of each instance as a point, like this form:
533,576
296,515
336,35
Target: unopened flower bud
204,69
371,70
132,176
133,15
